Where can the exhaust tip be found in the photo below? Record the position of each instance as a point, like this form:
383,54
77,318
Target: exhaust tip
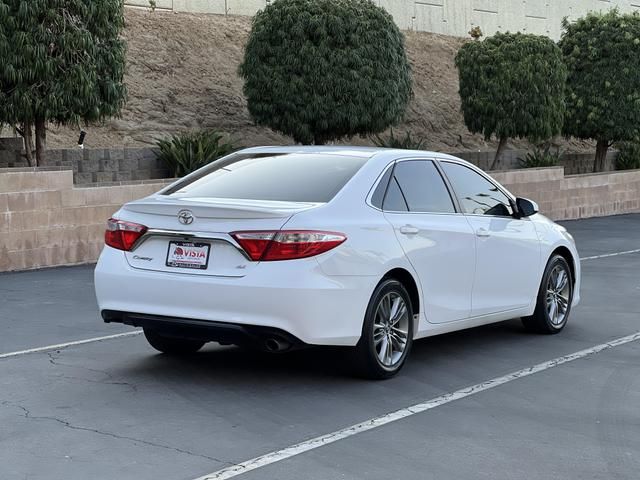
274,344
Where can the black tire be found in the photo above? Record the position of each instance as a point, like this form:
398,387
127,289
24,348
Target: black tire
367,353
172,345
543,321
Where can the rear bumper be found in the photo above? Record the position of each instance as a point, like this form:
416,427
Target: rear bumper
225,333
295,298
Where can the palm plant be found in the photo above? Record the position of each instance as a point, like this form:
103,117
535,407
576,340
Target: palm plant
187,152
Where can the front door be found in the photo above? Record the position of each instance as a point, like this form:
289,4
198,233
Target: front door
508,249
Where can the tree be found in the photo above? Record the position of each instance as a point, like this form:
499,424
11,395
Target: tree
512,85
62,61
321,70
602,53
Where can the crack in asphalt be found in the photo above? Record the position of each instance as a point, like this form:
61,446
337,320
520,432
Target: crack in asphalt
27,414
110,380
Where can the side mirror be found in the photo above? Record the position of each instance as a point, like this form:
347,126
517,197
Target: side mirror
526,207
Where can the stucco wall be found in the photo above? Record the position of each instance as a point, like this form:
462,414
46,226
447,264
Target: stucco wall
45,221
449,17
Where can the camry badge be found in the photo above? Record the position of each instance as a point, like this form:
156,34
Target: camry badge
185,217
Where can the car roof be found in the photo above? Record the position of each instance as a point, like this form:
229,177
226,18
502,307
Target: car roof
365,152
355,151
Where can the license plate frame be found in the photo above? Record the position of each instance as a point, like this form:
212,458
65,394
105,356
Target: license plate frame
185,264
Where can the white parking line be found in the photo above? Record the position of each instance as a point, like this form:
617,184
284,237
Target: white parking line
69,344
607,255
377,422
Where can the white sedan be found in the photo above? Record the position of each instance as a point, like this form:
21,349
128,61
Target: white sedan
283,247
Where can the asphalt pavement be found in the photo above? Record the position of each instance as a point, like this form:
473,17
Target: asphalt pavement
115,409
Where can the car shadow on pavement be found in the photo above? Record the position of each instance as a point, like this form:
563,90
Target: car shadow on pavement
235,365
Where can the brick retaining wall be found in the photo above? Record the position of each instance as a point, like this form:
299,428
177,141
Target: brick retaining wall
573,163
46,221
575,196
97,165
105,165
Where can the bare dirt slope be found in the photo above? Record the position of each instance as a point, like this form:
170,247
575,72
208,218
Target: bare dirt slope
182,74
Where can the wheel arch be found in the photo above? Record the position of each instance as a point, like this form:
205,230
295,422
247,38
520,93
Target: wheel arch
406,278
565,253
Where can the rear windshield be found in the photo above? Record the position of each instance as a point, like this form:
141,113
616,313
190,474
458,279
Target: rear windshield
291,177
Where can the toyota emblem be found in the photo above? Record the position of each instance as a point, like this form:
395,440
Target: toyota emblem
185,217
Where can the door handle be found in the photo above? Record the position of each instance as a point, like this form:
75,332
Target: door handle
409,230
483,232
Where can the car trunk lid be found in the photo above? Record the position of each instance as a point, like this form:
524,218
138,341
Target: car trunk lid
191,236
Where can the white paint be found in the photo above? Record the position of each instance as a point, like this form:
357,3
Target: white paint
321,300
285,453
607,255
69,344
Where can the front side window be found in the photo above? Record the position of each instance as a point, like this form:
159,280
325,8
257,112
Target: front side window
477,195
417,186
289,177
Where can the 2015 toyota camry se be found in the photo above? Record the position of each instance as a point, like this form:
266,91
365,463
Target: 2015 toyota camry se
281,247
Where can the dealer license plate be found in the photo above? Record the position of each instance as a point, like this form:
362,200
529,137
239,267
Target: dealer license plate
188,255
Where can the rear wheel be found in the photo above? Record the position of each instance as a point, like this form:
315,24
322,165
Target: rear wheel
554,298
387,333
172,345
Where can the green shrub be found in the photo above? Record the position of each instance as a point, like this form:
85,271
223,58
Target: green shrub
602,53
629,156
187,152
406,143
512,86
322,70
541,157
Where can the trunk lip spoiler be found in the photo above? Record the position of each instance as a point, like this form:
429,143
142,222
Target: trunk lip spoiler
188,235
273,209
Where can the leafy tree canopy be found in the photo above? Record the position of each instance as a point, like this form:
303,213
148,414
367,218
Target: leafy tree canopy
602,53
320,70
62,61
512,85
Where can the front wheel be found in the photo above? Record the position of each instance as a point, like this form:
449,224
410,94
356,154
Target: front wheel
387,334
172,345
554,298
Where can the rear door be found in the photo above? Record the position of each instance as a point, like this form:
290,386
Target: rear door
508,249
437,240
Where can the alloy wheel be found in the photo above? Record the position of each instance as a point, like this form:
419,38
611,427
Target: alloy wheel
558,294
391,329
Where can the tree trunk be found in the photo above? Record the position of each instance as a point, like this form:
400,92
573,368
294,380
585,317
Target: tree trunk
27,135
601,164
318,140
499,152
41,140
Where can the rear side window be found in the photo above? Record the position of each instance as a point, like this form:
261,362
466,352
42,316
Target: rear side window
417,186
394,201
377,198
294,177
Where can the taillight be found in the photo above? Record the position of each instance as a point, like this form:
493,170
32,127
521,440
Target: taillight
123,235
287,244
